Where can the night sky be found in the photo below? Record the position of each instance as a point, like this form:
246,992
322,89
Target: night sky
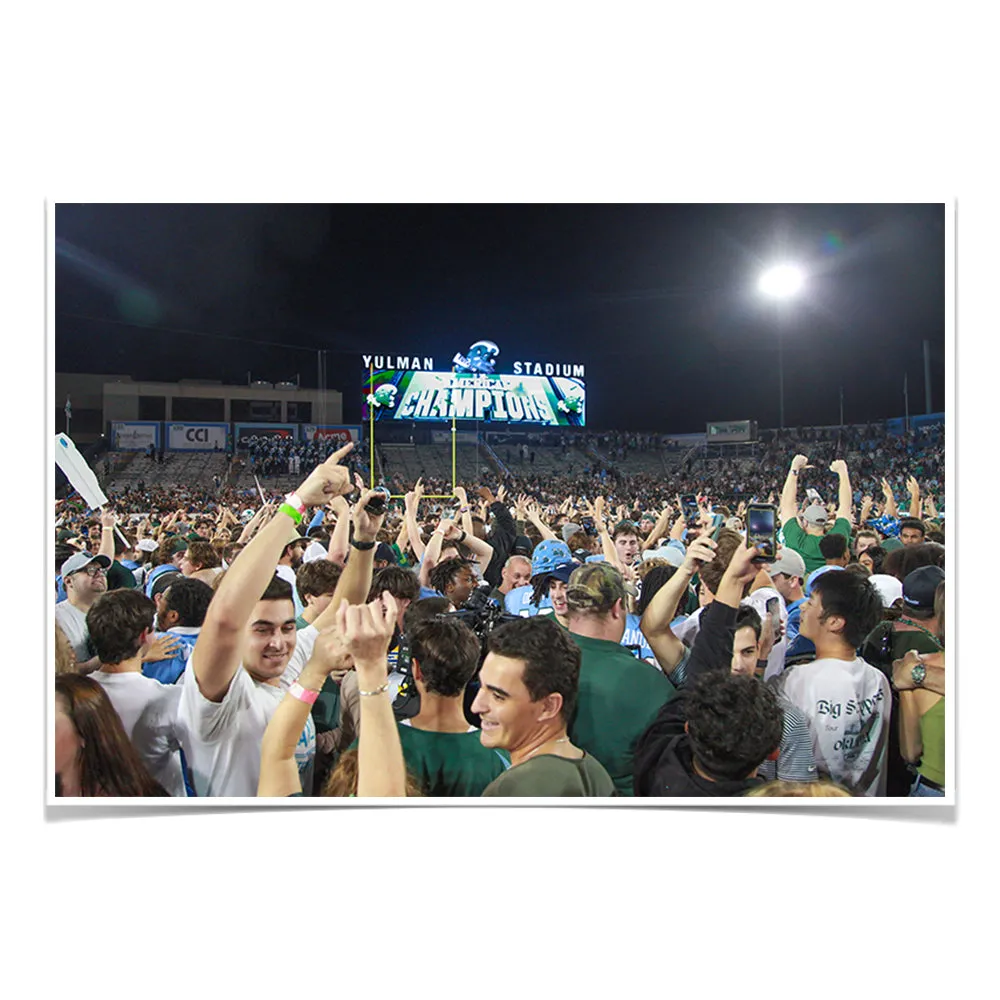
658,301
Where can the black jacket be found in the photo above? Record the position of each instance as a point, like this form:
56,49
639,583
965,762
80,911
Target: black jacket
663,762
502,539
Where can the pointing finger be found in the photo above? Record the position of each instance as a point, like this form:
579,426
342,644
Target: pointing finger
340,453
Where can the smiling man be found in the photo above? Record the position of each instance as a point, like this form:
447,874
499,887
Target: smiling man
527,695
232,682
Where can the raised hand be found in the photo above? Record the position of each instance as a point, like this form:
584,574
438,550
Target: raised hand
367,631
366,526
912,487
700,551
839,466
501,494
327,480
800,462
462,496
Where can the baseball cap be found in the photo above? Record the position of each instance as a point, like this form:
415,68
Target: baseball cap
177,545
163,581
889,588
790,563
293,536
919,587
384,553
146,545
81,561
569,530
522,546
669,552
815,574
595,587
816,514
314,552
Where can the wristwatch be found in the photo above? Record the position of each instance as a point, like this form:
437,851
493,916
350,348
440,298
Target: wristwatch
917,674
362,546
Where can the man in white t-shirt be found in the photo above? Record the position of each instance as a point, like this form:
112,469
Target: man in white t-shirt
85,579
121,629
847,701
232,682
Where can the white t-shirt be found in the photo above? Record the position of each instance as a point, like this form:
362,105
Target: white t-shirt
145,705
73,622
848,704
221,740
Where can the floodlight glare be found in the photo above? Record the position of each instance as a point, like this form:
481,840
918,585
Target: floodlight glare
782,282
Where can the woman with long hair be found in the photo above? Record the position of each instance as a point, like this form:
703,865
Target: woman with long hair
93,756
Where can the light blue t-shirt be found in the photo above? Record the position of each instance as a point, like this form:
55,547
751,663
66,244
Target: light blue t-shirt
633,637
518,602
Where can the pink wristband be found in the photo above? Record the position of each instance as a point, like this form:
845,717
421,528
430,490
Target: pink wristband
298,691
293,500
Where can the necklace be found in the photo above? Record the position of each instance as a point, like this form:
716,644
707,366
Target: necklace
919,627
565,739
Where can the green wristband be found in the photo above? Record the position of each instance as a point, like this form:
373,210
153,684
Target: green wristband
287,508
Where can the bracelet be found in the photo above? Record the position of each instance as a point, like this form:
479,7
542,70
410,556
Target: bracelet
462,537
369,694
464,510
303,694
295,515
294,500
362,546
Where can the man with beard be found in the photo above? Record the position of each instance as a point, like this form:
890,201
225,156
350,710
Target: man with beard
85,579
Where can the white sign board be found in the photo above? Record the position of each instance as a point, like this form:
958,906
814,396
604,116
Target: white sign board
196,437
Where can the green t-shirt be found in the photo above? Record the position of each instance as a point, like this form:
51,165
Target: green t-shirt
449,764
552,775
301,623
807,545
326,707
932,738
120,577
619,697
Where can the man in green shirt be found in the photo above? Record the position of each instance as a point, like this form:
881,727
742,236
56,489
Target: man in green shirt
619,695
803,534
528,689
441,750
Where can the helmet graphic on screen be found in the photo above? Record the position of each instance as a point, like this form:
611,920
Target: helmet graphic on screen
384,395
481,359
573,398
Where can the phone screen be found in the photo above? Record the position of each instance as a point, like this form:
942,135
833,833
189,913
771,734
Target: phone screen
761,530
772,605
689,505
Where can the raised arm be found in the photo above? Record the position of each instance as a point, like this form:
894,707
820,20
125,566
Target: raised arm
655,623
432,554
889,508
216,656
412,526
367,631
481,549
108,522
535,516
845,500
608,549
913,487
464,511
789,493
279,771
340,537
659,529
356,580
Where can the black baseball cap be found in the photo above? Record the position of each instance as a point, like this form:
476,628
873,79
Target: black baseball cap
919,587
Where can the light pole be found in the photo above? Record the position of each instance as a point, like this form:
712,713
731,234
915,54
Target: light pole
781,283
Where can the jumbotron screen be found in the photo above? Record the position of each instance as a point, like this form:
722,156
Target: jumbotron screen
550,400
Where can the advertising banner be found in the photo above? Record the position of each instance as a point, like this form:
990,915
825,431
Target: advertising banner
509,399
731,430
246,431
461,437
135,435
339,434
197,437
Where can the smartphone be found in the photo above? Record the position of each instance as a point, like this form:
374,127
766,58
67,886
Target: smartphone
718,522
377,503
762,531
689,507
772,606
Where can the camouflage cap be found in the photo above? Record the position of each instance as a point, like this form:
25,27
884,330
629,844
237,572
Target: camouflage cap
595,587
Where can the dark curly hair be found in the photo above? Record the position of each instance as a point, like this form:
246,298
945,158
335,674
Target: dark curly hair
853,598
448,653
734,723
877,555
116,620
833,546
190,599
445,573
551,658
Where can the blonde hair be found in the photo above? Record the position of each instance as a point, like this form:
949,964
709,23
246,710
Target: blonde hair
799,789
65,657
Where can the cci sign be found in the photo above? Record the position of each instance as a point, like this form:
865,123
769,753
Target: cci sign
197,437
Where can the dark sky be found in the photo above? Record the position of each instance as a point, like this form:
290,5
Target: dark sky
658,301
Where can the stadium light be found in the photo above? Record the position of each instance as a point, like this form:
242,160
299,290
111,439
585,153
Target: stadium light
781,282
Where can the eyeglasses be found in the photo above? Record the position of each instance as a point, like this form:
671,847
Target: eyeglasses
94,570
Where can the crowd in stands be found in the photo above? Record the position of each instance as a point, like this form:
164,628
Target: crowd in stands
582,634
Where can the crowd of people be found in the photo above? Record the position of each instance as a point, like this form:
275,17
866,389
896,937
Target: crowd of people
568,635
